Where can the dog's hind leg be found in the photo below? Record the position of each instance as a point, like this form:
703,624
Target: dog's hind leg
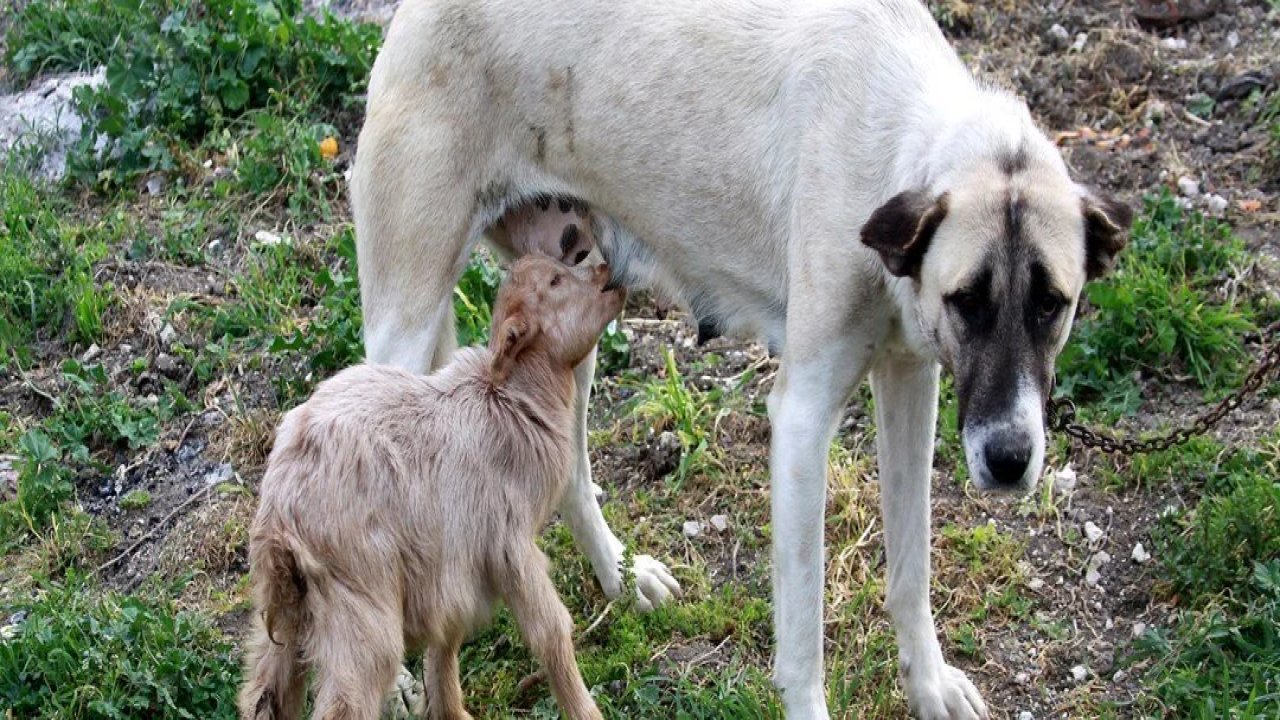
581,512
906,395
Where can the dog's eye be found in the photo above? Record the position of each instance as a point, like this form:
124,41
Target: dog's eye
1049,307
967,302
555,280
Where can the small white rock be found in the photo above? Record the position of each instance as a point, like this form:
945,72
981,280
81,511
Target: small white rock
1059,36
1233,39
1034,584
1140,554
1092,531
1173,43
168,334
1155,112
1092,577
154,185
1022,678
1026,715
720,522
269,239
91,353
1064,481
1081,39
1216,204
1079,673
692,528
1119,676
220,474
1139,628
1190,187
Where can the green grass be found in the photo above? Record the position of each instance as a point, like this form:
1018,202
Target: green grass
82,652
1219,654
179,70
47,289
1164,310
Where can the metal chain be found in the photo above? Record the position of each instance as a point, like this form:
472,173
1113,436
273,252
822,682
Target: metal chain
1060,414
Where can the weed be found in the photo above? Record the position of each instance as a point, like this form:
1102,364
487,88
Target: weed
80,652
46,279
44,484
180,70
671,404
1163,311
135,500
1220,654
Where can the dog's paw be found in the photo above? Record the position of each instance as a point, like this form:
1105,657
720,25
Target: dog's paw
655,585
945,695
406,701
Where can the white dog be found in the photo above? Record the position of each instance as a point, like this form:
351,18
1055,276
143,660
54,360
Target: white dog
825,175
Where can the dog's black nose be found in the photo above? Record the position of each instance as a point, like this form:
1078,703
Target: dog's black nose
1007,461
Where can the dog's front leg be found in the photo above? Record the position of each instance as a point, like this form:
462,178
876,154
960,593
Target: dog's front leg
804,405
581,512
906,399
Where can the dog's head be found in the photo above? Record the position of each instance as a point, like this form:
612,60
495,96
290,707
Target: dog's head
998,258
562,311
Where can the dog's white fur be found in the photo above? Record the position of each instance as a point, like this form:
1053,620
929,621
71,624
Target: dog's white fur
731,150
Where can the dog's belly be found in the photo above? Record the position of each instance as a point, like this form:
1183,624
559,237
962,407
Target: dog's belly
684,123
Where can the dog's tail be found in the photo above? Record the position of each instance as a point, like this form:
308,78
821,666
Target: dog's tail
274,676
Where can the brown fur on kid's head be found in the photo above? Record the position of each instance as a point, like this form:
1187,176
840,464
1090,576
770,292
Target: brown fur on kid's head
546,307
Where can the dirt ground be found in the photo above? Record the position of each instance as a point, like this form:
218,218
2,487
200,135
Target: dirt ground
1128,106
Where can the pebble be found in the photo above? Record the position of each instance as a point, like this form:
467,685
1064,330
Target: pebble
1026,715
1092,531
720,522
1022,678
1081,39
1173,43
166,363
220,474
1140,554
91,353
1233,38
168,334
1058,37
1079,673
1119,676
155,185
1064,481
1216,204
269,239
1034,584
1155,112
1139,628
1092,577
692,528
1188,186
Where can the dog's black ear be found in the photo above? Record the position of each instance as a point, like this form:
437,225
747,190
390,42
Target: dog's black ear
1106,230
901,230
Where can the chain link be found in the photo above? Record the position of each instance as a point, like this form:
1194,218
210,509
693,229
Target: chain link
1060,414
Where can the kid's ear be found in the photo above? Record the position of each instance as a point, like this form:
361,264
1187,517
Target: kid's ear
511,338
